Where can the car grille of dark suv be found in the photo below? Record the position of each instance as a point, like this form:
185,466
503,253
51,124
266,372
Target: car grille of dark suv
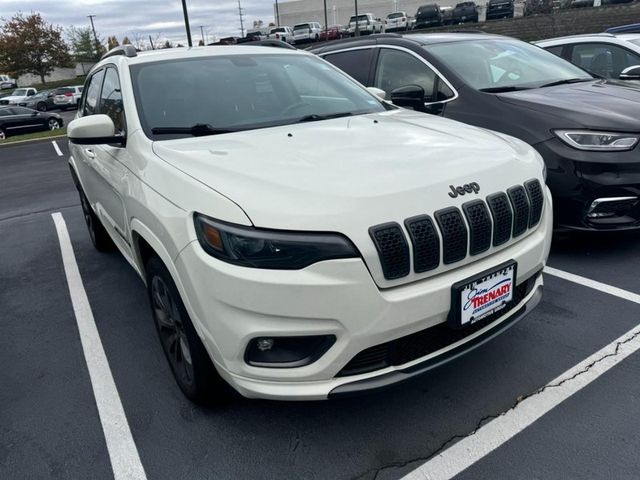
503,216
422,343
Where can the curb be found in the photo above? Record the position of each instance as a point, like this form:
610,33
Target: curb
31,140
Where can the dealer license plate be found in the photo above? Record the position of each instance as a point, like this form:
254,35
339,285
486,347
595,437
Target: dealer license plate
480,296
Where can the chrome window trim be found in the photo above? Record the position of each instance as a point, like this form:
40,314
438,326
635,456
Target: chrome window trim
411,52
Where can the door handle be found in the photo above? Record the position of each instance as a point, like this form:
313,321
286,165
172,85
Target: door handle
90,154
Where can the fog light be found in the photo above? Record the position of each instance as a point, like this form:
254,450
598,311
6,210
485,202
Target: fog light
287,352
611,206
264,344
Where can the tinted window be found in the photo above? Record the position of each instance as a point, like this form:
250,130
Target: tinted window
4,112
504,63
93,91
111,99
243,92
21,111
603,59
555,50
398,69
355,63
63,90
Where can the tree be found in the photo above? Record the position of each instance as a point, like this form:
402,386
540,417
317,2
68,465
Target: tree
112,42
258,24
82,44
126,41
201,43
167,44
31,45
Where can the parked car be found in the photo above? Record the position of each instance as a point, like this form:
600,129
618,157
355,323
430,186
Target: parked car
580,3
282,33
278,273
19,120
41,101
17,96
253,36
397,21
7,82
603,55
465,12
586,128
307,32
447,15
428,16
367,24
67,97
334,32
500,9
631,28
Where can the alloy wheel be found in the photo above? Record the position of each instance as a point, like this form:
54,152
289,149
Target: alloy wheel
53,124
172,330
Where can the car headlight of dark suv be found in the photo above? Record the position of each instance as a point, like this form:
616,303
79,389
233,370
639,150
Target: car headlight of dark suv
598,141
272,249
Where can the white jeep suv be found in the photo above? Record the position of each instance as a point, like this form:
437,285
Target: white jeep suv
299,237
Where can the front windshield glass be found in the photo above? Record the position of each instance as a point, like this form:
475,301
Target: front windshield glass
503,63
21,92
243,92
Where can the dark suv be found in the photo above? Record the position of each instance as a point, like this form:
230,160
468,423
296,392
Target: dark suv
428,16
465,12
587,129
499,9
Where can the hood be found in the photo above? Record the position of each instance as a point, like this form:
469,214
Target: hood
348,174
598,104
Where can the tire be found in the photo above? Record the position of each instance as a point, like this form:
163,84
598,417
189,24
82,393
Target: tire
99,236
53,124
3,135
189,360
41,107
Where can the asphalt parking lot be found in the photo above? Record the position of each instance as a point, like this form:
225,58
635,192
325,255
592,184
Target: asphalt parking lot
50,426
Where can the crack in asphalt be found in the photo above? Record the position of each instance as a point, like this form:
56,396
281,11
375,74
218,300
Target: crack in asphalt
487,418
37,212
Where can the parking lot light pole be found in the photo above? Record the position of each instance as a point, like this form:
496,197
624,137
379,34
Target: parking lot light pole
277,15
326,27
357,32
186,22
95,37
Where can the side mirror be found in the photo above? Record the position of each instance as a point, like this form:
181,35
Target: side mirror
630,73
408,96
94,130
378,92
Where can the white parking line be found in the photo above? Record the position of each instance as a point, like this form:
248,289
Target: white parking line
492,435
123,453
56,148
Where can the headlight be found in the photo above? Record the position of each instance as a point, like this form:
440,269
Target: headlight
274,249
598,141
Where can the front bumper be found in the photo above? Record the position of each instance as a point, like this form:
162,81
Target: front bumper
578,178
232,305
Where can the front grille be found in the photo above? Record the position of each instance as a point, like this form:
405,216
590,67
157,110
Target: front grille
502,217
426,244
411,347
454,234
392,248
520,204
479,226
536,200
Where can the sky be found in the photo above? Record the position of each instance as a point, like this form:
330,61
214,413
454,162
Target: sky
162,19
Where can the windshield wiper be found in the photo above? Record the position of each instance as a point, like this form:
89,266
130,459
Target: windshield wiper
511,88
314,117
566,81
197,130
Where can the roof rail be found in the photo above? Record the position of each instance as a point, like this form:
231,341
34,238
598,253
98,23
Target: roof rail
269,43
127,50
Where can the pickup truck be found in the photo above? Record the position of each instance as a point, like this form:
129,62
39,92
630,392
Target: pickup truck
367,24
17,96
499,9
284,34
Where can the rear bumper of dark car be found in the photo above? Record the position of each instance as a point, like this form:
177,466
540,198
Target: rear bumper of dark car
593,190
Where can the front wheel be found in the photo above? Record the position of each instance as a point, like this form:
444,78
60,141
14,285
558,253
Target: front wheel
192,368
41,107
53,124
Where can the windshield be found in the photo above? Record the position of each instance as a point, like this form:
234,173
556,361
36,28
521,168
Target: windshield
243,92
396,15
20,92
498,63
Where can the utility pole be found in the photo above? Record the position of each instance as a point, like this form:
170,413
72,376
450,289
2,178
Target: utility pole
277,15
151,42
186,22
326,27
357,32
241,22
95,37
202,33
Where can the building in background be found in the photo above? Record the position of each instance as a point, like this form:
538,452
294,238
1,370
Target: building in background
339,11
